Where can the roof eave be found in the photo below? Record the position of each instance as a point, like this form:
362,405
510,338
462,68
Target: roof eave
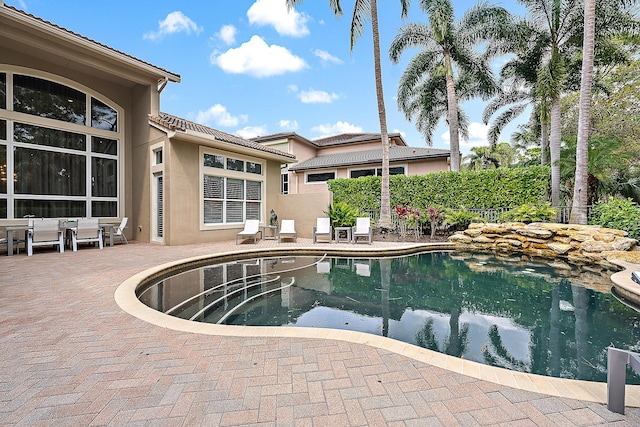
211,141
82,43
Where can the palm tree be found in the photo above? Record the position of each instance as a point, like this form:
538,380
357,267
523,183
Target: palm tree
447,70
549,41
490,157
580,196
362,11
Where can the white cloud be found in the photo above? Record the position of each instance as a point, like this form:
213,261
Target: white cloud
477,137
258,59
175,22
274,12
292,88
218,115
337,128
251,131
312,96
288,124
227,34
326,57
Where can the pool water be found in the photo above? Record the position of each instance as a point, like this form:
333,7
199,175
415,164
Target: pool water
543,317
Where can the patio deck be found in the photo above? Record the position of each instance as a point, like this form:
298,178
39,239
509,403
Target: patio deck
70,356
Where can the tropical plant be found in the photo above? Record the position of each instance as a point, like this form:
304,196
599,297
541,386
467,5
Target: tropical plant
488,157
447,70
435,217
459,219
620,214
342,215
408,218
364,10
531,212
549,41
580,193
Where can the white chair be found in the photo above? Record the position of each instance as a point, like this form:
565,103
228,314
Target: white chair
117,232
288,230
87,230
44,232
362,229
363,267
322,228
251,230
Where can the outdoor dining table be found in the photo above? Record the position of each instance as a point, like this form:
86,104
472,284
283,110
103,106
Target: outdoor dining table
10,230
112,228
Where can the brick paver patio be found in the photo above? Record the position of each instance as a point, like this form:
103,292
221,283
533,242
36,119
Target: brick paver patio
69,356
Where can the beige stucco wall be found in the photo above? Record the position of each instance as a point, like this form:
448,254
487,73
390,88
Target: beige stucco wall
182,197
137,101
427,166
304,209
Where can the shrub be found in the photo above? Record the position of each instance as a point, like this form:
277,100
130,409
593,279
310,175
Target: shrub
459,219
492,188
621,214
342,215
531,212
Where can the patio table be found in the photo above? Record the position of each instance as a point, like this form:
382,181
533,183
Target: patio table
10,230
111,228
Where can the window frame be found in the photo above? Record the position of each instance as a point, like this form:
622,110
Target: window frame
231,174
378,170
13,199
324,171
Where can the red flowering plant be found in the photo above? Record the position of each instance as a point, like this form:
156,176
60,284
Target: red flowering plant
408,218
435,217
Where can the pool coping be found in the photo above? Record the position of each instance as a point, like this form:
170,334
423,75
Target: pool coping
125,297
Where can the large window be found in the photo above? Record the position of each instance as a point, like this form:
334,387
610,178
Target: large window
393,170
59,150
232,192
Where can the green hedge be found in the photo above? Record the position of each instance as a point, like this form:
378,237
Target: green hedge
493,188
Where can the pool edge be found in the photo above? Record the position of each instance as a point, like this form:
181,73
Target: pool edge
125,297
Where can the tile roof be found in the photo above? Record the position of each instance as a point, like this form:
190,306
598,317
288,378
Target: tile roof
366,157
350,138
118,52
172,122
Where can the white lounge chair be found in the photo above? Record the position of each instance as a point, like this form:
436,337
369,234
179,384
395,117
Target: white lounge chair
362,229
288,230
322,228
251,230
87,230
114,232
44,232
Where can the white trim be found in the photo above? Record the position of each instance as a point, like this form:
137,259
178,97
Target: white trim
226,173
87,130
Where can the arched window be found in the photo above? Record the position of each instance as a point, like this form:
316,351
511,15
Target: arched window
60,149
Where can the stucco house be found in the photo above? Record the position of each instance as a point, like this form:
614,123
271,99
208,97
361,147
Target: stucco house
82,135
350,155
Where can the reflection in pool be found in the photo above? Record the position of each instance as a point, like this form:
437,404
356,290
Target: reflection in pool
543,317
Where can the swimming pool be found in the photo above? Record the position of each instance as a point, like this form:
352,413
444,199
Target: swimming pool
544,317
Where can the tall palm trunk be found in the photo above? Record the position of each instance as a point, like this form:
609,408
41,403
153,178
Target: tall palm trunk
452,107
544,141
579,206
554,148
385,198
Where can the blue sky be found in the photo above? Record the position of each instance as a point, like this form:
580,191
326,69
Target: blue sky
250,68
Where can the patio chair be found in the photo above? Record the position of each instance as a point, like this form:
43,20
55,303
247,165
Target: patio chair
44,232
362,229
363,267
251,230
288,230
322,228
114,232
87,230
